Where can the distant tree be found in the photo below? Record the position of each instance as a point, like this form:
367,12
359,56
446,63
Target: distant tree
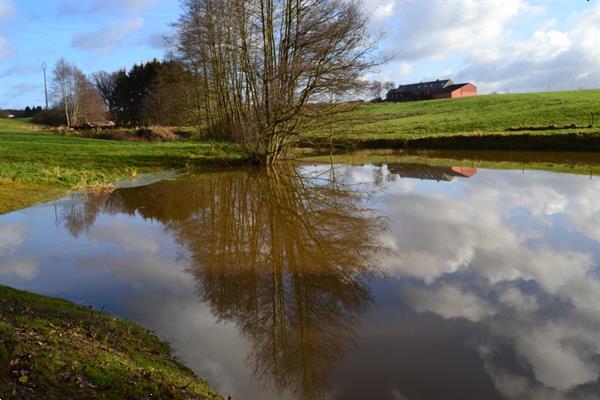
64,78
91,107
132,88
375,88
106,85
75,95
151,93
169,98
388,85
53,116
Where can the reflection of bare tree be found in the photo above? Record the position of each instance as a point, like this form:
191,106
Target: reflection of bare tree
284,256
79,212
286,259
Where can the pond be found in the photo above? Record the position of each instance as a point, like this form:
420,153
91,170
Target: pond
399,280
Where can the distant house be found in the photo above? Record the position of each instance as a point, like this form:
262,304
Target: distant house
440,89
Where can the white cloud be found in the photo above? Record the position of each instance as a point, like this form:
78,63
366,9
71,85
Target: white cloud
449,302
128,5
109,36
544,45
20,70
404,69
435,29
517,387
549,58
4,48
516,299
24,269
7,9
12,236
500,46
23,88
143,271
552,350
587,224
104,6
156,41
382,9
124,236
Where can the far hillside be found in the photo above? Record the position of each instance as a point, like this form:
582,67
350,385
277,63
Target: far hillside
17,125
536,113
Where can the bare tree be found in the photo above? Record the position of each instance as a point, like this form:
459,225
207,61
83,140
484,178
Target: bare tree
106,85
91,105
257,64
64,88
375,88
75,94
388,85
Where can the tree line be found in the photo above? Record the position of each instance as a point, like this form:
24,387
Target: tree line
241,70
26,112
151,93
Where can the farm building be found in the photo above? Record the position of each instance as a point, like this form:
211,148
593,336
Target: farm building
440,89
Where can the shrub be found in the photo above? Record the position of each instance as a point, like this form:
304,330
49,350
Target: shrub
50,117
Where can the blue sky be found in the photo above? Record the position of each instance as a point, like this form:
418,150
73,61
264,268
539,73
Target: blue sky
504,45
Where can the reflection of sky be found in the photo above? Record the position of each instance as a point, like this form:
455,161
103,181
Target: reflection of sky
128,266
517,254
491,291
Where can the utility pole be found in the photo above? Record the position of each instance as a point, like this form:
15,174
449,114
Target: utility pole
45,87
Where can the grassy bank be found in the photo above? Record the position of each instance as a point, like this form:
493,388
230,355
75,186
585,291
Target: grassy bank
53,349
36,165
511,118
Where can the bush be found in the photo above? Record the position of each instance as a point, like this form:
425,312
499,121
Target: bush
50,117
152,134
156,133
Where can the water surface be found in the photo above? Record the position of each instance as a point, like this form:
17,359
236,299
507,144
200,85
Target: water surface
394,281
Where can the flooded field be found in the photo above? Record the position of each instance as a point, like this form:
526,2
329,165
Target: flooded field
392,280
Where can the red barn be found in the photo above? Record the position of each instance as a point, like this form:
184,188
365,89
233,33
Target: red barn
440,89
457,90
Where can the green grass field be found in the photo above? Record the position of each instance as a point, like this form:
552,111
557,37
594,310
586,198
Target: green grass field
37,165
477,115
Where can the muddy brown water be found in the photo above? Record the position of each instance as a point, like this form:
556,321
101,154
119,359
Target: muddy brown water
394,281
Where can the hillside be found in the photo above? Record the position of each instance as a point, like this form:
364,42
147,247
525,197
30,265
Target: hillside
478,115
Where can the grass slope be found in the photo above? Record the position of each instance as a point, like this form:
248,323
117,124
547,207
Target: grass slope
35,165
477,115
53,349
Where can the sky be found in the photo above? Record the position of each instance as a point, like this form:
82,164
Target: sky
498,45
